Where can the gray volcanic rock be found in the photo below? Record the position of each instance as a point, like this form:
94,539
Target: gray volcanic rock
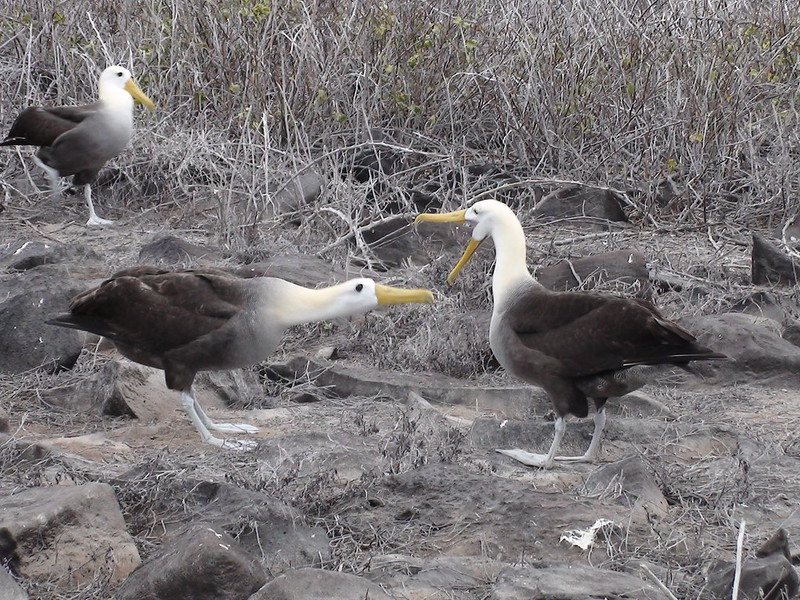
571,582
754,345
10,589
119,388
626,266
762,578
66,534
170,251
632,484
265,528
124,388
316,584
201,563
22,255
581,201
770,575
296,193
269,529
397,240
27,300
348,380
770,266
301,269
404,576
791,332
761,303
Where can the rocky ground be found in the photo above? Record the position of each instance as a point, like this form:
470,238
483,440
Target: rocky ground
371,482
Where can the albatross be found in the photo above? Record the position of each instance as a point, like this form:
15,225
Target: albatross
574,345
79,140
207,319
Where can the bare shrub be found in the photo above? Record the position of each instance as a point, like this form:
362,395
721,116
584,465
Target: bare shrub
250,93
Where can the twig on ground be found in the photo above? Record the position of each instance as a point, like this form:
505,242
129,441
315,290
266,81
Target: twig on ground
737,576
657,582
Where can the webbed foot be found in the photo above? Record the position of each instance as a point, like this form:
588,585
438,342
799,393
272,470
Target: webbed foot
528,458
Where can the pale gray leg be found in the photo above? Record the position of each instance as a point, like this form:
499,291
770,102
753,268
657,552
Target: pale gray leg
594,445
93,218
223,427
52,176
189,405
545,461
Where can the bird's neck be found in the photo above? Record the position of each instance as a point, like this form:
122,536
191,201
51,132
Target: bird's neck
510,259
116,100
299,304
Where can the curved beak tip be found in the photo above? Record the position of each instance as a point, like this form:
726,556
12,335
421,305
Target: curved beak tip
138,95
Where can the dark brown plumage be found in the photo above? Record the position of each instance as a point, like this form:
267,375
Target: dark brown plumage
41,126
196,320
574,345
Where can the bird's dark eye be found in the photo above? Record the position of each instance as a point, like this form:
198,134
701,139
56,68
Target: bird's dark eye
359,287
120,73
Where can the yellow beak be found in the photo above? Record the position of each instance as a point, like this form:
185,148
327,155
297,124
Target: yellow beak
471,247
452,217
391,295
138,94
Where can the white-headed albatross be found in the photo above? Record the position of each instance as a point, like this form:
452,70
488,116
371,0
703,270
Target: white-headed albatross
200,320
79,140
574,345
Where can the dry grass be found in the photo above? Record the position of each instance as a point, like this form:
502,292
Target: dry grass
618,93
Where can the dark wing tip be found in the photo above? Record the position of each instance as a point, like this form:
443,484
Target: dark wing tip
679,358
63,320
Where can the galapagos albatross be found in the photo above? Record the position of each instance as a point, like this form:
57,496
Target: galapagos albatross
207,319
79,140
574,345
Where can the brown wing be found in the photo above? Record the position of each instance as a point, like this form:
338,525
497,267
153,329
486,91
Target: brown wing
157,311
39,126
589,333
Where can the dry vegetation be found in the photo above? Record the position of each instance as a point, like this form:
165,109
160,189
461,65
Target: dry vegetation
636,95
622,93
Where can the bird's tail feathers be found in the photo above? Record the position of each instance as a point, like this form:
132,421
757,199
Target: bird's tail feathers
15,141
83,323
680,359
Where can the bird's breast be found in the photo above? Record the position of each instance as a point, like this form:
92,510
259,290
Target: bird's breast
116,132
502,341
254,340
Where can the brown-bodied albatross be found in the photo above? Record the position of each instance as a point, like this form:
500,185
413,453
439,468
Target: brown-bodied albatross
574,345
206,319
79,140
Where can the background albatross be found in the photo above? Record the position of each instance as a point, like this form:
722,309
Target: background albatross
79,140
198,320
575,345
